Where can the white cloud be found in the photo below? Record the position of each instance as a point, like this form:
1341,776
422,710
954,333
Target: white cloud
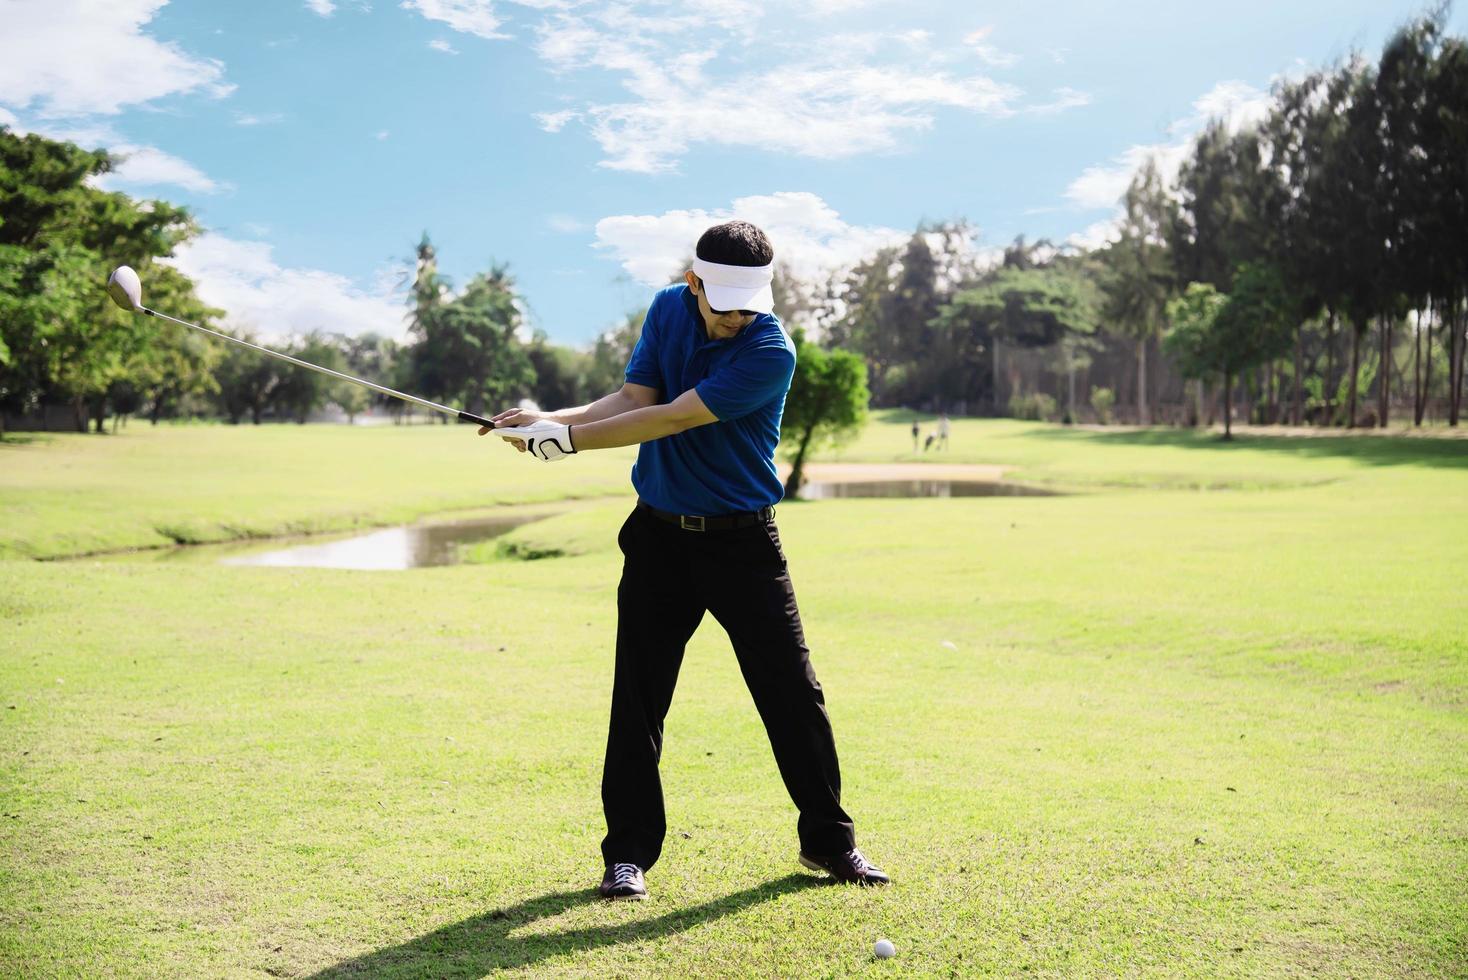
381,135
822,113
321,8
685,76
1102,186
7,118
1095,235
439,44
1238,104
825,8
809,236
1065,98
77,57
687,82
251,119
242,278
475,17
133,165
148,166
554,122
988,53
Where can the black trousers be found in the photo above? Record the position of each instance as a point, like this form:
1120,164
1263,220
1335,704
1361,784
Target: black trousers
670,578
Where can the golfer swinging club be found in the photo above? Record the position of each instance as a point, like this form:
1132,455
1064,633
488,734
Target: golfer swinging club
703,397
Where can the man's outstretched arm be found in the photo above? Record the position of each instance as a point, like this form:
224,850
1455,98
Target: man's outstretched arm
640,425
628,428
628,398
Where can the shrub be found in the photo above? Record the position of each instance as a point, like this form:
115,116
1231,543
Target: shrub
1038,407
1103,400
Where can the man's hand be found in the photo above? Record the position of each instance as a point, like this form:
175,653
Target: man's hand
516,416
513,417
545,440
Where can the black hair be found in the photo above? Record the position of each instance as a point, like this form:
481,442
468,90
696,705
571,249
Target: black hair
735,243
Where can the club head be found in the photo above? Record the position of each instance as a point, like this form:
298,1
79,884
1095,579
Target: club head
125,288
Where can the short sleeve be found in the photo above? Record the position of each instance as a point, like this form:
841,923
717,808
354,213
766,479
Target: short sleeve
642,366
754,378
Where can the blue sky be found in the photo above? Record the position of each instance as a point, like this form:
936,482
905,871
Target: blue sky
587,142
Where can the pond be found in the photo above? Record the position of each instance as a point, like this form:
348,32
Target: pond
420,546
389,549
385,549
441,542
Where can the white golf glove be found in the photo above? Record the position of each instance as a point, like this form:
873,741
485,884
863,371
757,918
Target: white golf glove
543,439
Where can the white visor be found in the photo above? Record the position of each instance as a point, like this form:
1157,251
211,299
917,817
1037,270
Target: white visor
737,287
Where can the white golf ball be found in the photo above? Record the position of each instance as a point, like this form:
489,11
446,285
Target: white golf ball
884,949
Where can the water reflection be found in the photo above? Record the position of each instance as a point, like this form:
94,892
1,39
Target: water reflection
390,549
815,490
386,549
441,543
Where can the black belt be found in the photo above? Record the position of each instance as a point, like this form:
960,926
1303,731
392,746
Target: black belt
723,522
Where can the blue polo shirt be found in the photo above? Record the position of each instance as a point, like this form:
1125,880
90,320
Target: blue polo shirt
727,466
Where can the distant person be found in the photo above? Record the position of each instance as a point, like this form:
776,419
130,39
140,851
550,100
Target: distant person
943,432
928,442
916,433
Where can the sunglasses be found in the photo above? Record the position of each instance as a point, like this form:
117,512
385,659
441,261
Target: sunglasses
703,289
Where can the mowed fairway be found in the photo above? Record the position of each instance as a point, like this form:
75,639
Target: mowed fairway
1128,731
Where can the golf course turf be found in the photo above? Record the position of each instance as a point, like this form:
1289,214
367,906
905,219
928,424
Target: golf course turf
1203,714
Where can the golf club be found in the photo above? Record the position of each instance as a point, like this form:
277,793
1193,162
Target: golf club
126,290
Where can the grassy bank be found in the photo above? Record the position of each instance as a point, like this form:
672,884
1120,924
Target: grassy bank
67,494
1157,458
1131,731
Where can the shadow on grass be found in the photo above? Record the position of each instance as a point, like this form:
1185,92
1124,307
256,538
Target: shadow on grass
1371,450
477,945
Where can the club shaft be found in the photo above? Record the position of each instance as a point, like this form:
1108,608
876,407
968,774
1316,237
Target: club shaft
465,416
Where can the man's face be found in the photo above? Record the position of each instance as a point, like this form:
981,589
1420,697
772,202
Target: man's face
720,326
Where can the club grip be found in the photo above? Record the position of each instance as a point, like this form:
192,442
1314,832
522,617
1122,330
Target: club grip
466,417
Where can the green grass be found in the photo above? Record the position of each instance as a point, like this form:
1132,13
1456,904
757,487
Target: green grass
1124,732
576,532
1158,458
68,494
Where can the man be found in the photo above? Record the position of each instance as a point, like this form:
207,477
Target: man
704,393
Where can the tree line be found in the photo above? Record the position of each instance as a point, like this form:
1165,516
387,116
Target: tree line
63,345
1310,269
1298,266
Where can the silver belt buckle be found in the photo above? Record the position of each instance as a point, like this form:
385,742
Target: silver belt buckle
687,522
